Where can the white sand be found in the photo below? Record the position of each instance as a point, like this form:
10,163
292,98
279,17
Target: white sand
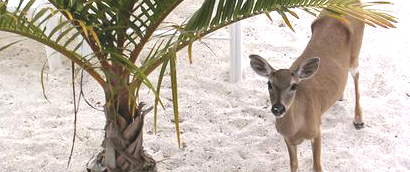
227,126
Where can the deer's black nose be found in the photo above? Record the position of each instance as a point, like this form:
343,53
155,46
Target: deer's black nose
278,109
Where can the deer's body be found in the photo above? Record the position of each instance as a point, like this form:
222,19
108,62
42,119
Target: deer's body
332,43
318,87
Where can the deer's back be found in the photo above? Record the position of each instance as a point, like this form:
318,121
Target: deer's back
334,43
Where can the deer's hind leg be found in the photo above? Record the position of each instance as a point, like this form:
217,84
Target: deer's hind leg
354,71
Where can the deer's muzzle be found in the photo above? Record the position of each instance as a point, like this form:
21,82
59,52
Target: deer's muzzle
278,110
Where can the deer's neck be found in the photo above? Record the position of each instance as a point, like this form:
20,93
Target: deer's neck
294,119
286,125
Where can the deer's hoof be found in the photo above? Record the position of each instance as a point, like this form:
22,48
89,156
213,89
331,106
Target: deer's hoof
358,125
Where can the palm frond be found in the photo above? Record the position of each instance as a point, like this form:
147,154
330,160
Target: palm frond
159,84
174,85
17,22
148,20
227,12
120,23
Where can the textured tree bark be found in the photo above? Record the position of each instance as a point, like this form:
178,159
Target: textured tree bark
123,144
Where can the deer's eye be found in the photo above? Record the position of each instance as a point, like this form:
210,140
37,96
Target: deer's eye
294,87
269,86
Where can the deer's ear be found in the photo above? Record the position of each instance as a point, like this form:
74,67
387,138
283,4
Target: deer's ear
308,68
261,66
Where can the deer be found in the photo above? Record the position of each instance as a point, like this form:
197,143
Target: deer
316,80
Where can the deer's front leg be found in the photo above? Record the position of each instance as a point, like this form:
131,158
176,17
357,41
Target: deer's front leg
316,148
292,149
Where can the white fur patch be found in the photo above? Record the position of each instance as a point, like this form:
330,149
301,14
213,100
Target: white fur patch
354,71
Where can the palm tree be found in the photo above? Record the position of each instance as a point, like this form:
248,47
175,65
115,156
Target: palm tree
118,31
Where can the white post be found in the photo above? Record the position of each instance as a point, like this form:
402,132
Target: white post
235,72
54,61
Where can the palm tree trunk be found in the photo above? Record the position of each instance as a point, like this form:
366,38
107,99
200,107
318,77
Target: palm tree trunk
123,144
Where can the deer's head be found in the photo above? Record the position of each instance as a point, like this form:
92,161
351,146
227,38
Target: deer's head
283,83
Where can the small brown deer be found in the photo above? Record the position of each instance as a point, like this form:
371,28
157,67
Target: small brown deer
301,94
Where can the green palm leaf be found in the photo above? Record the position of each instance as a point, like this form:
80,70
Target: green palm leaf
226,14
8,23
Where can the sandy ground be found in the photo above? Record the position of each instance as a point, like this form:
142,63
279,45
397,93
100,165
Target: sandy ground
227,126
